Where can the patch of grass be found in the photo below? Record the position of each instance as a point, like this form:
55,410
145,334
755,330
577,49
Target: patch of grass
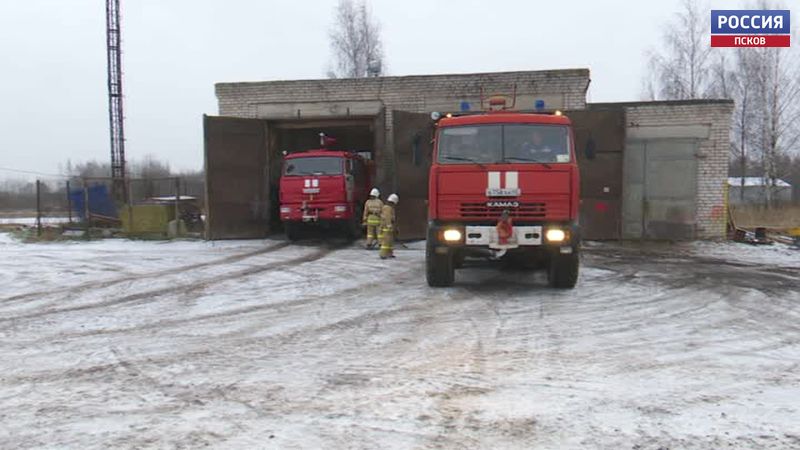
781,218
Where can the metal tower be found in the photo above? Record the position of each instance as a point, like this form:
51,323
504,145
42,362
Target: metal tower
115,115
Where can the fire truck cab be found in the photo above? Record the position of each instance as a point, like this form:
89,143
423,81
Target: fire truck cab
324,189
503,185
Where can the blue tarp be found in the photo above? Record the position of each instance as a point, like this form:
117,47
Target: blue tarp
100,201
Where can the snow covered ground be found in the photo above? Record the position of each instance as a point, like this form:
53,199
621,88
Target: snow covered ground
776,253
261,344
30,221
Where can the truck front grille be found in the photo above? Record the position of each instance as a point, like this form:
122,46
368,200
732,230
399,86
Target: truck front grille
523,211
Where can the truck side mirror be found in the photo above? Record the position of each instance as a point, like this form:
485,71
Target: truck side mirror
589,149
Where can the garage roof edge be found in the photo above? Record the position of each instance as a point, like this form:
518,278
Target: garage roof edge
580,72
711,101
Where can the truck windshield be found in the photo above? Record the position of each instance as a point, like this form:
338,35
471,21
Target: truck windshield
321,165
504,143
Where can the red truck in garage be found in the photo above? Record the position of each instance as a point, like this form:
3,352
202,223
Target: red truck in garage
503,185
323,189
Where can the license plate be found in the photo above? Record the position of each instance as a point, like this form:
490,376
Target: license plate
499,192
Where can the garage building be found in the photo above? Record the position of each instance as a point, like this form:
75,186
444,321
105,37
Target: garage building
659,170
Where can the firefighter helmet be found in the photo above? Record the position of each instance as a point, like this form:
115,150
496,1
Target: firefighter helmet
393,198
374,192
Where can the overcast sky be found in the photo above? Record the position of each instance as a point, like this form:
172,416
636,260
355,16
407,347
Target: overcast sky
53,85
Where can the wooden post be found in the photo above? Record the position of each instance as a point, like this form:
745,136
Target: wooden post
38,207
129,193
86,206
69,203
177,207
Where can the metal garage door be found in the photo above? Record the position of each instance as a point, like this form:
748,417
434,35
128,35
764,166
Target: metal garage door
660,189
601,176
413,133
237,178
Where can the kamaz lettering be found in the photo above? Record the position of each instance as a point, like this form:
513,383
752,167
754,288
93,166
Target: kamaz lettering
502,204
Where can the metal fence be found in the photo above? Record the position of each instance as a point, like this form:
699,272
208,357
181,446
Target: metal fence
81,204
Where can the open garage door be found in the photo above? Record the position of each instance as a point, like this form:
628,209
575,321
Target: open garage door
237,178
601,175
413,133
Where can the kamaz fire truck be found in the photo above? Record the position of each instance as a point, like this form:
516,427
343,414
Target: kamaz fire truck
323,188
503,185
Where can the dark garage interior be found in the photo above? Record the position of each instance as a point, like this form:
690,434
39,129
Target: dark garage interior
244,159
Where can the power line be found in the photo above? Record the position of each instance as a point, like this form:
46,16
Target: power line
32,172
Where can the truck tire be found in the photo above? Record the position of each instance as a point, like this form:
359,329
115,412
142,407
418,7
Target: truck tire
292,231
352,228
563,271
439,270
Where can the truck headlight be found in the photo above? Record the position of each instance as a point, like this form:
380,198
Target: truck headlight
452,235
340,208
555,235
285,210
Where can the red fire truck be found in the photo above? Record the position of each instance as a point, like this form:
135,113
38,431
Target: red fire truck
323,188
503,185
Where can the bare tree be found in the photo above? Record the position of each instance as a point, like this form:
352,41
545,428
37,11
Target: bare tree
648,90
88,169
778,93
734,72
355,41
721,78
150,167
681,70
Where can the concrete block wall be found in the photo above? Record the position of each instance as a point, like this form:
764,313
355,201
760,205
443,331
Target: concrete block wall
712,167
411,93
565,89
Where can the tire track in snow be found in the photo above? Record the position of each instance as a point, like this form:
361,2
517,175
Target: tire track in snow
107,283
343,294
242,344
181,288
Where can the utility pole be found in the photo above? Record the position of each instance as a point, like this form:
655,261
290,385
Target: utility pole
38,207
115,112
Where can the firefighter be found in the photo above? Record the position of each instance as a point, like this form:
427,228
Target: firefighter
388,227
372,217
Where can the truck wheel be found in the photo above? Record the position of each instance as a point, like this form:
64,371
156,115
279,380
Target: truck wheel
563,271
352,230
439,270
352,227
292,231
